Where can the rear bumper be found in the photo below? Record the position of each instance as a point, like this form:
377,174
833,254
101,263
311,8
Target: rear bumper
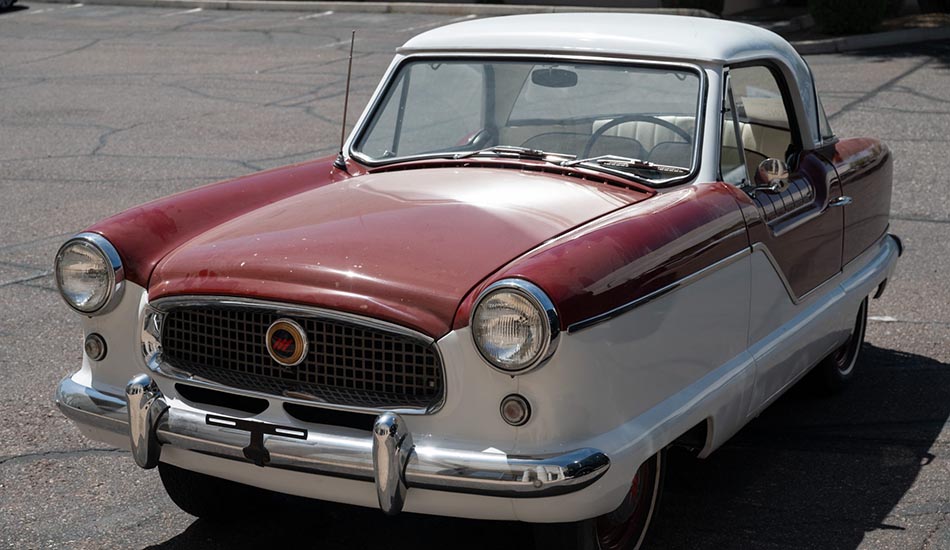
387,457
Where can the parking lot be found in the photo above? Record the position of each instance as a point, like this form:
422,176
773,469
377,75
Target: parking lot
105,107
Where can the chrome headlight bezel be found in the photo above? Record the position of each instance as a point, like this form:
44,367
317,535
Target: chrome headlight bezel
112,263
550,324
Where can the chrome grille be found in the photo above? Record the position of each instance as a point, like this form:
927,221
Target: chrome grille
346,364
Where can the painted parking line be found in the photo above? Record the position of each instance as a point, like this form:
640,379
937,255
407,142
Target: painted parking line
315,15
882,318
196,10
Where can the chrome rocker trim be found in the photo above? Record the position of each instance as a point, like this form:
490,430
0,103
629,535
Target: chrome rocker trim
387,456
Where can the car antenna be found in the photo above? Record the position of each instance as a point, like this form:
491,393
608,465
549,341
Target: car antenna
340,161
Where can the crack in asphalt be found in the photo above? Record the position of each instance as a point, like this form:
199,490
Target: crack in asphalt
910,322
64,453
27,279
14,246
54,56
919,219
874,92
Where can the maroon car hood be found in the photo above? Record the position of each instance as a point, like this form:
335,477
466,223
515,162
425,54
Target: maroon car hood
401,246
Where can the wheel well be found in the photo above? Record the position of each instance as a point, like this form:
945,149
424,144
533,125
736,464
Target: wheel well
695,439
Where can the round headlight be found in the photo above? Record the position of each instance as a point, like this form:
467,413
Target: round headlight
88,273
515,325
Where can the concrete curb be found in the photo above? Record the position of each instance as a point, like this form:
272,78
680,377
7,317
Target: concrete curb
869,41
377,7
804,47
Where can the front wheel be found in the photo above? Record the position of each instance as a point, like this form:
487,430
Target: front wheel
623,529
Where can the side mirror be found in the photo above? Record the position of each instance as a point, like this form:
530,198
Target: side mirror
771,176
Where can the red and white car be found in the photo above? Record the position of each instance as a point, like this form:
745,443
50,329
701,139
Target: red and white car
552,247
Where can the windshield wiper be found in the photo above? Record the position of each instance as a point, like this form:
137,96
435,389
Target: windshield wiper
513,151
624,163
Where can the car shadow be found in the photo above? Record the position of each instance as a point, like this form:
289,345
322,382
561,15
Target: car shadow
296,523
810,472
13,9
814,472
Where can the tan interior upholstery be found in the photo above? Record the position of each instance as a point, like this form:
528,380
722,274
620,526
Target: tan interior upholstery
771,142
648,134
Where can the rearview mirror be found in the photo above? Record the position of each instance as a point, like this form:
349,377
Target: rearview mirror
554,78
771,176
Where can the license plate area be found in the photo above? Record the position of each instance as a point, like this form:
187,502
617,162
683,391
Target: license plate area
255,450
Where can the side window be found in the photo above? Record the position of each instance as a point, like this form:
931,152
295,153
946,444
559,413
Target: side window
411,124
731,162
764,122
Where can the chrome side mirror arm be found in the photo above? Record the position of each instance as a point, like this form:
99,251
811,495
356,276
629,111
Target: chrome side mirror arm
771,176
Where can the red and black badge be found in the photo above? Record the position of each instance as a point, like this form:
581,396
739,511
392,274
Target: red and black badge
286,342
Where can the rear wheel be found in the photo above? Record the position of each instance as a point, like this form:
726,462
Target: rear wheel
834,371
623,529
209,497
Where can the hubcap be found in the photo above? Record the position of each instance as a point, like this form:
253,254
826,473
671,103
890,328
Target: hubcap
845,356
623,528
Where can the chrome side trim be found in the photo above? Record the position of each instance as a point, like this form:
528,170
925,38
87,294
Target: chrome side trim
116,278
541,301
760,247
693,277
685,281
151,347
386,456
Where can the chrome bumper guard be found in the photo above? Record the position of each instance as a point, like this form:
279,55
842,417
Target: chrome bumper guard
387,457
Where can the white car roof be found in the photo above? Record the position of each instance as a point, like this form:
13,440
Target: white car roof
625,34
636,35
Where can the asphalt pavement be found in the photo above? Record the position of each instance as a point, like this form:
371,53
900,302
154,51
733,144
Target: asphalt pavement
105,107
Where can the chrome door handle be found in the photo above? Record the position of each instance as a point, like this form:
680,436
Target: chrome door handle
840,201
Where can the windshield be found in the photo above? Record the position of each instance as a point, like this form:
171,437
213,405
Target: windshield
455,108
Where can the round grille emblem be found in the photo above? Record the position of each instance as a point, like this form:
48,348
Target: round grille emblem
286,342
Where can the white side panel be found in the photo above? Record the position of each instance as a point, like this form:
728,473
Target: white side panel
607,374
121,330
788,339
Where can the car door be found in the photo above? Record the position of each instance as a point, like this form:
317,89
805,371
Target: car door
796,233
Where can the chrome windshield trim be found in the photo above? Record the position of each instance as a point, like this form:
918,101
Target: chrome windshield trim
155,363
363,124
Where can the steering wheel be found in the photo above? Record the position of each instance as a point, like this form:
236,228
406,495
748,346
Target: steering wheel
632,118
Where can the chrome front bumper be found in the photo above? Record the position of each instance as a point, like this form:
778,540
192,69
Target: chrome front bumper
388,456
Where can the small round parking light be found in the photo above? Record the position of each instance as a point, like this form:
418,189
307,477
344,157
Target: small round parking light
95,347
515,410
